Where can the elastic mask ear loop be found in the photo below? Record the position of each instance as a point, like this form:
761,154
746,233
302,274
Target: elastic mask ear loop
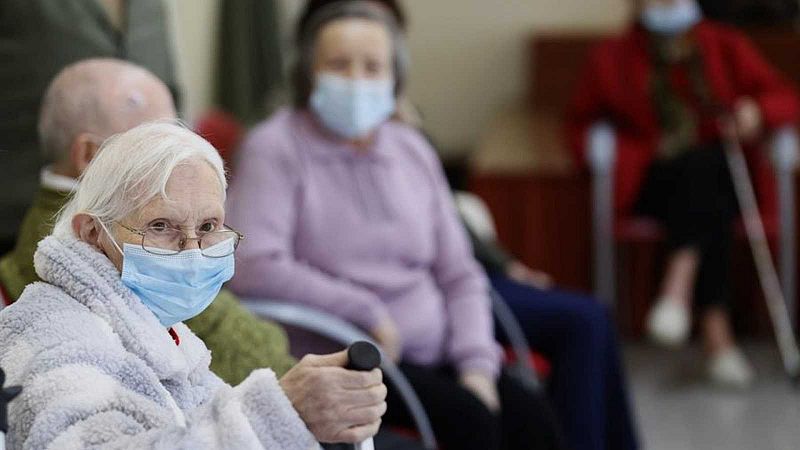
113,241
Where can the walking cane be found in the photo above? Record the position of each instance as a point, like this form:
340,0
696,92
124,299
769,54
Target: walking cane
6,395
362,356
754,227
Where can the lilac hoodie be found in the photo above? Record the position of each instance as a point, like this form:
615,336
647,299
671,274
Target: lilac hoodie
364,235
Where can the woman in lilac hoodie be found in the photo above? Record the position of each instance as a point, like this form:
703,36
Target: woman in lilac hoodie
349,212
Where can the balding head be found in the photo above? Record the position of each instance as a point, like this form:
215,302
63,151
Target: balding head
93,99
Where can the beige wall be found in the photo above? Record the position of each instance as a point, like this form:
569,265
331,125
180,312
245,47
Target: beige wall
468,55
194,24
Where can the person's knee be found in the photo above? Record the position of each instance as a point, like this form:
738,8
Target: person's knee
589,320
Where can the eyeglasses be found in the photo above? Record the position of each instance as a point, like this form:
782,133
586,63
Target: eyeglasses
161,240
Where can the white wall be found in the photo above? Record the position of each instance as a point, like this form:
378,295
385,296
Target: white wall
468,56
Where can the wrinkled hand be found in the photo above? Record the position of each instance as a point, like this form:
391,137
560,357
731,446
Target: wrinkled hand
523,274
748,118
337,405
388,338
483,387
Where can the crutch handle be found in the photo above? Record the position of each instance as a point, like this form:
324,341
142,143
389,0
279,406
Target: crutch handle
363,356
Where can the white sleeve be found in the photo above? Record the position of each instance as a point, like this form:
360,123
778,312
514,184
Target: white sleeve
80,406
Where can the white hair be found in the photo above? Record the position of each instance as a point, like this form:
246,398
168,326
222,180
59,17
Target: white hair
101,96
132,168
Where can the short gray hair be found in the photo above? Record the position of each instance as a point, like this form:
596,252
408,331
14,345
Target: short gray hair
132,168
303,73
83,98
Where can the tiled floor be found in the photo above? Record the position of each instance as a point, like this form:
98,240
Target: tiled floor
677,410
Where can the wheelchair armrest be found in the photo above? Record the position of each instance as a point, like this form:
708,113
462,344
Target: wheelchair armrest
601,147
342,332
321,323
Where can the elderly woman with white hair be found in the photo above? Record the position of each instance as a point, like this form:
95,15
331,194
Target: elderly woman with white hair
99,346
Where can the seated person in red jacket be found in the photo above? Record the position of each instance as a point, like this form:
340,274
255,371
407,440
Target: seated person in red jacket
662,85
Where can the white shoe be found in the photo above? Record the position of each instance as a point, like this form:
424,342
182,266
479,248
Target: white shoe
669,322
730,368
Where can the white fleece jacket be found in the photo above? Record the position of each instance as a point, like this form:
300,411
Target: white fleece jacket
99,371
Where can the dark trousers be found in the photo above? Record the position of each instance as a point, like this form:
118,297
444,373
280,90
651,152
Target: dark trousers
384,440
693,197
587,384
461,422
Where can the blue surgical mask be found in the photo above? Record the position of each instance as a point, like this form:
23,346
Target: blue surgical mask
176,287
672,19
352,108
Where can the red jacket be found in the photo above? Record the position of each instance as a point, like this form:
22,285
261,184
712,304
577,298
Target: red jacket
615,86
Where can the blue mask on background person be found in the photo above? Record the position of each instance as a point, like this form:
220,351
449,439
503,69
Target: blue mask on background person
352,108
671,20
175,287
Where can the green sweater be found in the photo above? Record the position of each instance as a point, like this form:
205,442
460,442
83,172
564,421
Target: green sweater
238,340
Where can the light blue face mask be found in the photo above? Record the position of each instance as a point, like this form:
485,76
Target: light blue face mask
352,108
176,287
673,19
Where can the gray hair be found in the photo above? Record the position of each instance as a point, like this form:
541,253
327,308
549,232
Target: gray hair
132,168
303,73
102,96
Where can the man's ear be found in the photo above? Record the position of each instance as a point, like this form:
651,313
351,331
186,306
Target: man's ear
87,229
84,148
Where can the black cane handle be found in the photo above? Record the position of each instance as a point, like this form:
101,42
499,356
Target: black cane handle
363,356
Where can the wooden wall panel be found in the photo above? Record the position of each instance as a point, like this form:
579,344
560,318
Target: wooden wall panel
545,221
557,229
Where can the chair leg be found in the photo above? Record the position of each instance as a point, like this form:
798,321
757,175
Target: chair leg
787,252
603,231
785,149
601,145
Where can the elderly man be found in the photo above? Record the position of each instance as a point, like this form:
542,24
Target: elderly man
88,102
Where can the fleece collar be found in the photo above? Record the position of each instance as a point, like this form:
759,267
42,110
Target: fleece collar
89,277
